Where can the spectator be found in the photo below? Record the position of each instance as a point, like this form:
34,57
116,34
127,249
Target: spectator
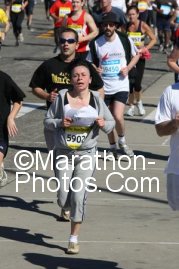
9,92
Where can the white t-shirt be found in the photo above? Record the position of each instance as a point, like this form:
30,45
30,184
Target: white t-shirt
112,58
166,111
83,118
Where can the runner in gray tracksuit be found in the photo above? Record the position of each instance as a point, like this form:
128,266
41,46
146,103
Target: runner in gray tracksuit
77,143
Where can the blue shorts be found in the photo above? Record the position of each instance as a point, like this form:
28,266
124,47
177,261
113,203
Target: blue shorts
163,24
121,97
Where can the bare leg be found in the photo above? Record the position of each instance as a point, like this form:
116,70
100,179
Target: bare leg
75,228
138,96
73,247
131,99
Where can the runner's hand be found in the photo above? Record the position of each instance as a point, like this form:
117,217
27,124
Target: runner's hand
124,71
100,122
52,96
66,122
11,126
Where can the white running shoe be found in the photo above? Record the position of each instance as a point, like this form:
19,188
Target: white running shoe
126,150
21,37
3,177
130,111
161,47
141,109
65,215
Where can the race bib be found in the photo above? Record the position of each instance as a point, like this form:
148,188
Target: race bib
142,6
77,28
136,37
64,11
166,9
16,8
111,68
76,135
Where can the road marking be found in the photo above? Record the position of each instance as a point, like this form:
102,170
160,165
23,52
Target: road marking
166,142
104,242
28,107
150,117
49,34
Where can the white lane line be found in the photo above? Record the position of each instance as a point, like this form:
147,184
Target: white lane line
91,199
166,142
28,107
104,143
105,242
150,116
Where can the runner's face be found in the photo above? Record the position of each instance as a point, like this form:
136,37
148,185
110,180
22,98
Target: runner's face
132,15
77,5
80,78
68,49
105,3
109,28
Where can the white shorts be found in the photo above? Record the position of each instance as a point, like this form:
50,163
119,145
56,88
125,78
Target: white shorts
173,191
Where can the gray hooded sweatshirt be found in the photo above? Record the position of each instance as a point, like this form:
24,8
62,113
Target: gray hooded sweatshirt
55,115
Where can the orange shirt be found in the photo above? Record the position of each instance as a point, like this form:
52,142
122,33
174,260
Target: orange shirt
60,9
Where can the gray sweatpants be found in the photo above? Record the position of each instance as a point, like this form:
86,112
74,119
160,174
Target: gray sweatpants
74,199
173,191
49,138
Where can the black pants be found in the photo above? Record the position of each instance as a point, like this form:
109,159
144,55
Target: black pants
48,4
17,19
136,85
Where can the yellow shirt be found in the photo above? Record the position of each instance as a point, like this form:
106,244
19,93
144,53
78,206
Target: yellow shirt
3,17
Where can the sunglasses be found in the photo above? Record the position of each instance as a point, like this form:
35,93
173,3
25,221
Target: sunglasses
69,40
111,24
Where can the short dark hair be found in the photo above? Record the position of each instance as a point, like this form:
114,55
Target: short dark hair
79,62
68,30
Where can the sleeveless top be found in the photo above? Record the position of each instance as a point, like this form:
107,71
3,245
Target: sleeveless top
16,6
81,28
137,36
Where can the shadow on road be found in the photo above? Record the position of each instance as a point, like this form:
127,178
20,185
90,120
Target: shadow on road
23,235
51,262
16,202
